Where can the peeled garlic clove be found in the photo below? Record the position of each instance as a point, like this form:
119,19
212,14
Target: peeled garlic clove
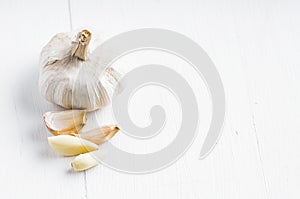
65,122
100,135
68,145
84,161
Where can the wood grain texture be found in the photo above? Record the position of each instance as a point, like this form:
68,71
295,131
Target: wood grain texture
255,46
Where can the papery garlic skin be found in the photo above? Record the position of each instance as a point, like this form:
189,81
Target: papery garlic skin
84,161
65,122
68,145
71,76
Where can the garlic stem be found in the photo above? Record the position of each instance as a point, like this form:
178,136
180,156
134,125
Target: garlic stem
81,45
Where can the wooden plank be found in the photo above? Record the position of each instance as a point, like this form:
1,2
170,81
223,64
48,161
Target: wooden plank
29,167
237,168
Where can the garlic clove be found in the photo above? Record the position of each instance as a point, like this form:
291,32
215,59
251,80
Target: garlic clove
84,161
68,145
65,122
99,135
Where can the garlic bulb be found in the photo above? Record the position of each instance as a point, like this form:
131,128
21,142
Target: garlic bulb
71,76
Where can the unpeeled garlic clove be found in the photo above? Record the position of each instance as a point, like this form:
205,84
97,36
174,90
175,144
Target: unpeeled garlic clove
84,161
68,145
65,122
99,135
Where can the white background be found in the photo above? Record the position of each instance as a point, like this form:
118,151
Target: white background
254,44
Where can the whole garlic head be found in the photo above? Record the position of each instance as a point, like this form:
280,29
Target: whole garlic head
71,76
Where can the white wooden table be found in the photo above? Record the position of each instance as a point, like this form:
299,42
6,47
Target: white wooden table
255,45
